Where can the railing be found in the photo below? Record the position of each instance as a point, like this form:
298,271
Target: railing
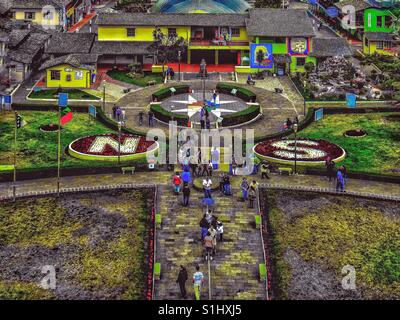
154,237
216,42
263,246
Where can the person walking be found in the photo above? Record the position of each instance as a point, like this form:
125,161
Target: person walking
182,278
339,180
186,175
150,115
114,112
177,180
208,246
330,169
119,114
210,168
244,186
140,118
186,194
198,280
208,123
265,170
213,232
207,183
220,230
204,225
252,196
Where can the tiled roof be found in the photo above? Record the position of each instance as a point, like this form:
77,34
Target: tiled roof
379,36
329,47
29,48
120,47
37,4
82,61
171,19
64,43
279,23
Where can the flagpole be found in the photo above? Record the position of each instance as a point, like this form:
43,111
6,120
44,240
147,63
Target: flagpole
15,156
59,151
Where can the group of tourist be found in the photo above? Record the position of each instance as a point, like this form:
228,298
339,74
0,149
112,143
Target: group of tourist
118,114
288,124
198,280
182,181
150,116
339,174
211,230
249,191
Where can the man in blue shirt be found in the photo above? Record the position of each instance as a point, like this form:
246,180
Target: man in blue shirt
339,180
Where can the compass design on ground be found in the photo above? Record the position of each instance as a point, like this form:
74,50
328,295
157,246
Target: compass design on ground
191,104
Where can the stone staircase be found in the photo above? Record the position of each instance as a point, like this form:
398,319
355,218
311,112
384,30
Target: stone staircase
234,269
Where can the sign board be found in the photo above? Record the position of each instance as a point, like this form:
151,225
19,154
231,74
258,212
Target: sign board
319,114
92,111
173,90
351,100
234,91
5,102
261,56
63,99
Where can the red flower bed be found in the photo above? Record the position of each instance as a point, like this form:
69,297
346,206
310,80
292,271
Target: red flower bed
84,145
330,150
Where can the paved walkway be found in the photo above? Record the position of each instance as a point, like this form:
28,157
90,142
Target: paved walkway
164,178
234,269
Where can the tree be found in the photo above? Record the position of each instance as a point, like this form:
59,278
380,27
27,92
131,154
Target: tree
268,4
260,58
166,48
133,5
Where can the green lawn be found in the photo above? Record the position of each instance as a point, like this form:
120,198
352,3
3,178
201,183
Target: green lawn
37,149
73,94
97,242
329,232
138,81
378,152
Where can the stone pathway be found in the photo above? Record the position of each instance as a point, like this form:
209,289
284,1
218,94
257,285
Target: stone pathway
234,269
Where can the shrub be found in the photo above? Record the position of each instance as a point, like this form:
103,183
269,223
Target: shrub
166,116
241,93
166,92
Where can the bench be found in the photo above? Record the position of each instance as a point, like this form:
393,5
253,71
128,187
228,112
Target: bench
158,219
157,271
263,271
278,90
151,83
282,170
131,169
257,219
251,82
126,90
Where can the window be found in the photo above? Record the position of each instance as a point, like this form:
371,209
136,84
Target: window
235,32
301,62
55,75
379,21
131,32
68,78
379,45
171,32
29,16
78,75
369,20
366,42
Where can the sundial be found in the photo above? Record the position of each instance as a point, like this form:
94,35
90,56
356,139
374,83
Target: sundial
192,103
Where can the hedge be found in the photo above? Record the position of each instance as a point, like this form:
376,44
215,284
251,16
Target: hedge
166,92
242,116
166,116
241,93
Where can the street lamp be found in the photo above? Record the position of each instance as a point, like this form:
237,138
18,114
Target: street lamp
295,127
104,96
203,66
179,65
119,141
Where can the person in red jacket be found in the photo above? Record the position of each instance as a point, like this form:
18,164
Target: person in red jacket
177,180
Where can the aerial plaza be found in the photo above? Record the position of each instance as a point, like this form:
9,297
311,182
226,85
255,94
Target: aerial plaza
199,150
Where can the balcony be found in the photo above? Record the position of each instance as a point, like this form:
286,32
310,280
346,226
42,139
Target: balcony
216,42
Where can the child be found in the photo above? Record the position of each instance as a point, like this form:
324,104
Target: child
177,182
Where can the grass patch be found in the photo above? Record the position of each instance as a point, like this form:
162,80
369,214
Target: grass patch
378,152
38,149
138,80
97,241
338,232
73,94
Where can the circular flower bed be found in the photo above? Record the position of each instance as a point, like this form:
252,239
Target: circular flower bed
50,128
357,133
309,152
105,147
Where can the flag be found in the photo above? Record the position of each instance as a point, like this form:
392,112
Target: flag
19,122
66,115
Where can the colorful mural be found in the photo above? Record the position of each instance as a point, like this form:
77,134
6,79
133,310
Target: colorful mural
261,55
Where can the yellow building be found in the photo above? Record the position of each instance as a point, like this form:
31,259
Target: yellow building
47,13
71,71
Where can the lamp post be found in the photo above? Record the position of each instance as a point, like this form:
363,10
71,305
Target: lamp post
179,65
295,127
104,96
119,141
203,66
